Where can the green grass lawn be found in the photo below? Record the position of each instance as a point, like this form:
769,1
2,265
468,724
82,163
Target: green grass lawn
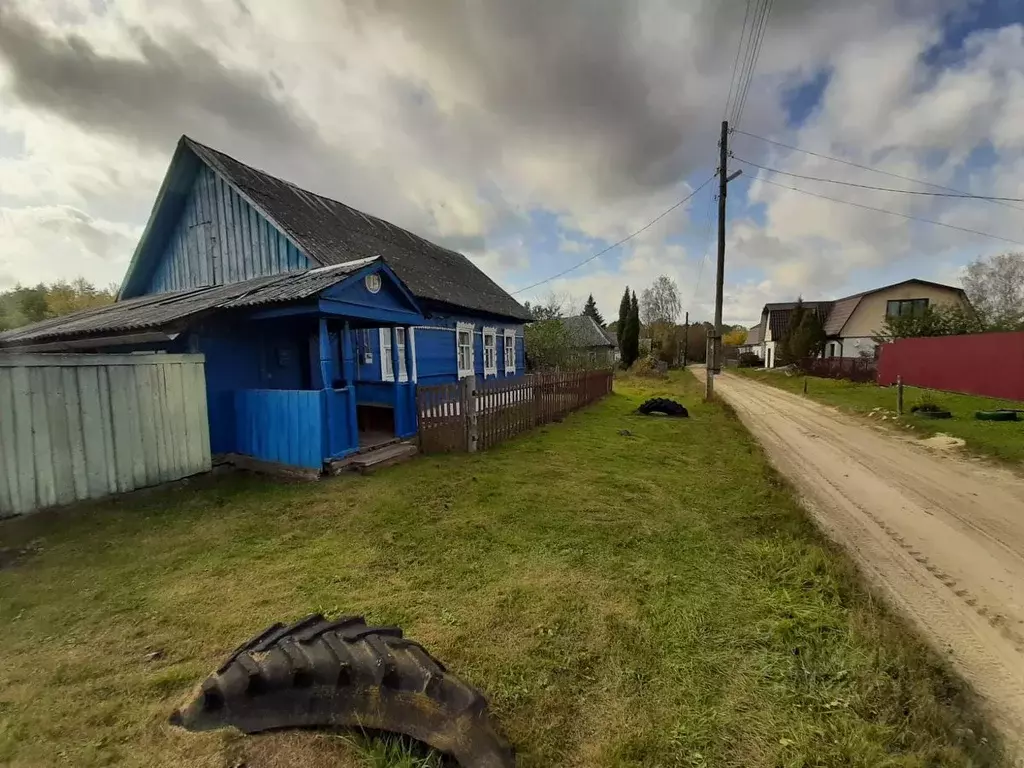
653,599
997,439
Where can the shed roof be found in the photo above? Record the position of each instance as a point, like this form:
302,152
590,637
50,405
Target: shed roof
583,331
330,232
754,334
163,309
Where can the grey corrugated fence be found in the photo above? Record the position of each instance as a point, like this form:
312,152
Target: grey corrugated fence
78,427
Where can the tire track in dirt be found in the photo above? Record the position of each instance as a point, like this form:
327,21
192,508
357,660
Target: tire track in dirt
943,537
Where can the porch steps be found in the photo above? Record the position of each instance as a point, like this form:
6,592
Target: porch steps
376,458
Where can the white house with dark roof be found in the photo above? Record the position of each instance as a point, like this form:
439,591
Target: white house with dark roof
852,322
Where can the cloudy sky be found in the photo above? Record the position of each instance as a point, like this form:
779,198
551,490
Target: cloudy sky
529,134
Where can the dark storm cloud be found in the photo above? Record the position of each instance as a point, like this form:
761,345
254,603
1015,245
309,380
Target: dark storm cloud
562,71
172,89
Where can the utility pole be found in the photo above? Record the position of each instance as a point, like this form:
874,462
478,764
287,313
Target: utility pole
686,337
714,361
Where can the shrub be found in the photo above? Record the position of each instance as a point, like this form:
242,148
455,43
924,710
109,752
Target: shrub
749,360
647,366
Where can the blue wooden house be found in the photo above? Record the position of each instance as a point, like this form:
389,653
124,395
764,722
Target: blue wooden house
317,321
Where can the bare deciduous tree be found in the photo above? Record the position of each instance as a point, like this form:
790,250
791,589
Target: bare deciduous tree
995,286
660,302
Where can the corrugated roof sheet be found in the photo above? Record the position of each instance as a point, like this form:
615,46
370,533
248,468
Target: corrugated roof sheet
583,331
333,233
754,334
162,309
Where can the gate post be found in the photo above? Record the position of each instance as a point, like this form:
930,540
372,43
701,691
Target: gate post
469,402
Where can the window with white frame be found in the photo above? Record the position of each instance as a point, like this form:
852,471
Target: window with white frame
464,348
403,374
387,364
510,351
490,352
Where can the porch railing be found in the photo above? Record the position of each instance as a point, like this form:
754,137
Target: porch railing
452,417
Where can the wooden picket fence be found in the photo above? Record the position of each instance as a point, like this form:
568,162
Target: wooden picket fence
455,417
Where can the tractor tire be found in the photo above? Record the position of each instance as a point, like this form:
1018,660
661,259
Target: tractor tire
664,406
341,673
996,415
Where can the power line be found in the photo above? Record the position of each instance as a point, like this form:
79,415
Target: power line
707,248
630,236
866,167
755,54
965,195
891,213
735,64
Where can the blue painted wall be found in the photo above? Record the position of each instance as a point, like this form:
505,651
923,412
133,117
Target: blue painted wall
436,354
219,239
286,426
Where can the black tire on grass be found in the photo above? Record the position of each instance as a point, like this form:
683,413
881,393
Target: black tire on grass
996,415
344,674
934,414
664,406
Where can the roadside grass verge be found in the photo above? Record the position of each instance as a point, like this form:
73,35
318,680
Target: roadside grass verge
1002,440
655,598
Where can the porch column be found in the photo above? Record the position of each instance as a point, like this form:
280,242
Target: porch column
410,387
348,362
325,355
399,401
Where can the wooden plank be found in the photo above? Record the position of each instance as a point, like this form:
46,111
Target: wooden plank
146,413
62,360
57,419
107,422
76,439
10,496
46,492
92,432
21,393
117,379
135,427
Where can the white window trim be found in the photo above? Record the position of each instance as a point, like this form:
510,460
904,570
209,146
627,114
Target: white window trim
412,344
403,373
492,334
459,329
510,338
386,360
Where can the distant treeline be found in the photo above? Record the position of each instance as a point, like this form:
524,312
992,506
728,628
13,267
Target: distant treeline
22,305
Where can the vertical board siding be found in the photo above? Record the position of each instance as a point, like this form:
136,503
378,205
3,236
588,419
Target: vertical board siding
280,425
76,427
221,239
504,409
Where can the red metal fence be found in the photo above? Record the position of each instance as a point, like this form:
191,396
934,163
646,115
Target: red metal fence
850,368
989,364
451,418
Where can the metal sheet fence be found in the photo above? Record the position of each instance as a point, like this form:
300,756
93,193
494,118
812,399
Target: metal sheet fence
454,417
77,427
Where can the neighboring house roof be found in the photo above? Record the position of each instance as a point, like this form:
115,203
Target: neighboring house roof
610,335
753,335
845,307
158,310
584,332
779,315
330,232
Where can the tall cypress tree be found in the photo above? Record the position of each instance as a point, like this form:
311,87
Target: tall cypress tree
620,329
631,335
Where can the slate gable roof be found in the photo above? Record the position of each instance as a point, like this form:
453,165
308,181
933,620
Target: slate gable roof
330,232
584,332
753,335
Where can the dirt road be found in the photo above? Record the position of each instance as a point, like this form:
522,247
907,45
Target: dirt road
943,536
